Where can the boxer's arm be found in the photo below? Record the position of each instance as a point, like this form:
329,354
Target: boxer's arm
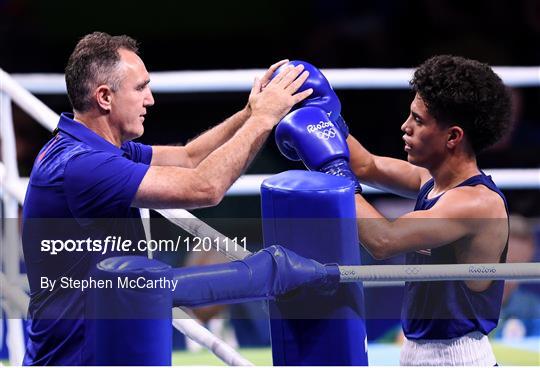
460,214
198,149
385,173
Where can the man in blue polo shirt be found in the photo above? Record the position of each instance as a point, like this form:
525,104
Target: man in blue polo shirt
89,180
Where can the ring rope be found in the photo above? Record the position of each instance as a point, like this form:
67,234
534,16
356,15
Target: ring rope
183,322
375,273
199,228
28,102
242,80
482,271
250,184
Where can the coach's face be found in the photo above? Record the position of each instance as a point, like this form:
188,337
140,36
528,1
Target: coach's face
425,140
133,97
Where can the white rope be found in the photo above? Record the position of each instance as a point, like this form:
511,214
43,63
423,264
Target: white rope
247,184
379,284
10,235
145,219
504,178
242,80
199,228
193,330
15,188
384,275
515,179
484,271
28,102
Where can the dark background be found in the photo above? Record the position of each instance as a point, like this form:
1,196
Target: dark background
38,36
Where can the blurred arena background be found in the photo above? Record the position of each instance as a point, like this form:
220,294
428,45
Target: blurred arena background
38,36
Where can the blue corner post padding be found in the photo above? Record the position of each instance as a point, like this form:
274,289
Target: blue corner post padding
314,215
133,325
132,319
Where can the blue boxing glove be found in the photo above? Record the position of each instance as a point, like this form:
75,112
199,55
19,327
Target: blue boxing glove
342,126
307,134
323,95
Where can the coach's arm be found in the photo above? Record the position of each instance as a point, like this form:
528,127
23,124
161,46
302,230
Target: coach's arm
206,184
194,152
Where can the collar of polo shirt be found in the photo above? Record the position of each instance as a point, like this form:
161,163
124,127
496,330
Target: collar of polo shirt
80,132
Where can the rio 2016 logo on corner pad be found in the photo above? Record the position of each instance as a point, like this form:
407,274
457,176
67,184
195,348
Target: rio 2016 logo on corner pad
482,269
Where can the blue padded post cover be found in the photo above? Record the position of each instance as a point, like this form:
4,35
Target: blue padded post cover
314,215
133,325
270,272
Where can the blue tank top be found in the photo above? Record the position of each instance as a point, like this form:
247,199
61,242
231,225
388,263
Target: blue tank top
448,309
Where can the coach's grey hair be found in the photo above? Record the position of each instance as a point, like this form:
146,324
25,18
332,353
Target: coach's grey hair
94,62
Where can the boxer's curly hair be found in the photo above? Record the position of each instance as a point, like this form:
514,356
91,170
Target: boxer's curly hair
466,93
92,63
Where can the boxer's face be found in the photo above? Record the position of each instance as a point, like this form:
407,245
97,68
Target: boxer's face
130,102
425,140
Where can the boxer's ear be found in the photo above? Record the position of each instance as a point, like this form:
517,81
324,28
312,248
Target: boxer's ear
455,136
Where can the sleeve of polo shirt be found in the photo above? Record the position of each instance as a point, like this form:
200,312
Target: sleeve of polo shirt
138,152
101,184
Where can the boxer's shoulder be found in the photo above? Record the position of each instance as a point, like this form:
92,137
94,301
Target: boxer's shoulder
476,201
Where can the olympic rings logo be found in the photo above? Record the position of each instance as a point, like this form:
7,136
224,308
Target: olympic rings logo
326,134
412,270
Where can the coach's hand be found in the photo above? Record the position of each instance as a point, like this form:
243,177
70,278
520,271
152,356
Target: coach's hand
307,134
275,100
